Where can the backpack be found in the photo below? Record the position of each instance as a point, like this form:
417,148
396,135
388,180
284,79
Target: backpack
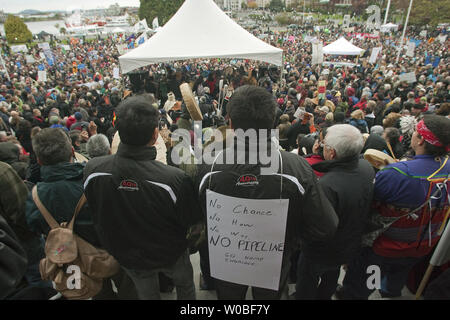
66,254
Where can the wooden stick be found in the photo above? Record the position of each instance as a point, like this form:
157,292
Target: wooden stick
424,281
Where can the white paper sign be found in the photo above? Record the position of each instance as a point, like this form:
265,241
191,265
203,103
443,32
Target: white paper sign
423,33
42,55
410,49
246,239
317,56
442,38
299,112
30,59
410,77
42,76
44,46
116,73
375,52
19,48
346,22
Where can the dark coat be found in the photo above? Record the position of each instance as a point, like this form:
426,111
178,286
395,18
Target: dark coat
348,184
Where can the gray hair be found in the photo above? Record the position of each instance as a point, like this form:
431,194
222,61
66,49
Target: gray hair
377,130
345,139
52,146
98,145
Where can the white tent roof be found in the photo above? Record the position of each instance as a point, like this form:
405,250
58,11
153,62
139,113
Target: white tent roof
390,25
200,29
342,47
118,30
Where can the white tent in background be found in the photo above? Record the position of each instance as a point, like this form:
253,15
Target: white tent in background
199,29
118,30
388,27
342,47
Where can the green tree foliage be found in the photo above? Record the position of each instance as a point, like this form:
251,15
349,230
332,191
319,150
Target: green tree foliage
431,12
276,5
16,30
163,9
284,19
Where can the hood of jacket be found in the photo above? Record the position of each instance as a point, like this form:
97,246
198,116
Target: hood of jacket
62,171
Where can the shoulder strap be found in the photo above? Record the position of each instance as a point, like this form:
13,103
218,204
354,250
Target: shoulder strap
47,215
80,205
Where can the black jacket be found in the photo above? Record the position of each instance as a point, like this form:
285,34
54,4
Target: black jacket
348,184
310,215
13,260
142,208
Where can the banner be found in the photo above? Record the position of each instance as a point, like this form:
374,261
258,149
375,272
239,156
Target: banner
44,46
442,38
360,35
375,53
246,238
19,48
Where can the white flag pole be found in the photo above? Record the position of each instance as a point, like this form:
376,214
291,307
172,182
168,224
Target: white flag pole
387,11
404,31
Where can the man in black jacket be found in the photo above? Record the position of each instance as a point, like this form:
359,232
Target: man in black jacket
348,184
310,216
143,208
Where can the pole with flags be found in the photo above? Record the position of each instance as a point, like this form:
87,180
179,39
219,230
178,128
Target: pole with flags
404,31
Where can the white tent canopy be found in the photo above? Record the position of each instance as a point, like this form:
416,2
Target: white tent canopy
118,30
388,27
342,47
200,29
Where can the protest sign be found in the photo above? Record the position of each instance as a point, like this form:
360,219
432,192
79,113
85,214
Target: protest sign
317,56
19,48
42,76
246,238
410,77
116,73
410,49
30,59
375,52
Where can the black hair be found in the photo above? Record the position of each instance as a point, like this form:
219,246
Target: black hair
137,119
440,127
252,107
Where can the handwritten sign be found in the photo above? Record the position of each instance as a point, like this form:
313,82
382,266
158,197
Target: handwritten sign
246,239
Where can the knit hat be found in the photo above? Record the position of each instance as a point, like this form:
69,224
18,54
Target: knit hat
78,116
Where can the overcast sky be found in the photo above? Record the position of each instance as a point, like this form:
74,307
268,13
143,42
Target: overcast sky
15,6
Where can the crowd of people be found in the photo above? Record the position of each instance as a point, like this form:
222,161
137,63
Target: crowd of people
82,131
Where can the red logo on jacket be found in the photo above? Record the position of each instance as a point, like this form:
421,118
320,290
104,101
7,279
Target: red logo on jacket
247,180
128,185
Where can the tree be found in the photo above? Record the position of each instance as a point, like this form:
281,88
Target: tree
276,5
16,30
252,5
359,6
244,5
430,12
163,9
63,30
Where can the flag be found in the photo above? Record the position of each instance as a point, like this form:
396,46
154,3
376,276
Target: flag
41,67
114,119
436,62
